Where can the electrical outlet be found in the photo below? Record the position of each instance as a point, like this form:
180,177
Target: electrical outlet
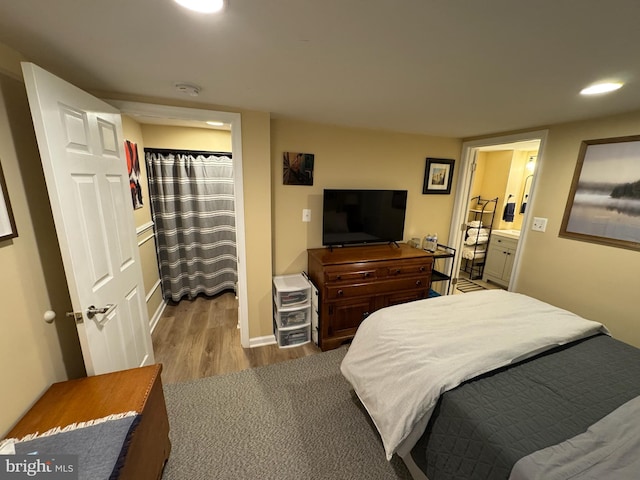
539,224
306,215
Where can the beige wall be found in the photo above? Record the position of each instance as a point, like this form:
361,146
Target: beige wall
495,177
352,158
256,165
132,131
596,281
33,354
160,136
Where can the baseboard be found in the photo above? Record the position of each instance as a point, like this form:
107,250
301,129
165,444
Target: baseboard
262,341
156,316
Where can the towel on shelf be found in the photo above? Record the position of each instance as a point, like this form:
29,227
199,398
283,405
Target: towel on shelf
475,232
474,224
472,240
471,253
509,212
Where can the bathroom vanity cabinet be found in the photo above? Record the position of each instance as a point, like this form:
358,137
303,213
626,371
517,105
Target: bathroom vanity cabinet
500,256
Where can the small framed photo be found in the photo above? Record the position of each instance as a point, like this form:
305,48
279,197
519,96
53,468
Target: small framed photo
297,168
7,223
438,175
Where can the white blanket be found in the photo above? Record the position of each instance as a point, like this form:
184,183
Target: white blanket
405,356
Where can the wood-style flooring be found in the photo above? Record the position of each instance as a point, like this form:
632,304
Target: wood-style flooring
199,338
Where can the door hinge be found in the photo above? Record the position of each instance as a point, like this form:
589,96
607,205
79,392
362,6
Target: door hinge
77,316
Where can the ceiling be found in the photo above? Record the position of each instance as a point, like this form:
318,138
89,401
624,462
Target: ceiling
456,68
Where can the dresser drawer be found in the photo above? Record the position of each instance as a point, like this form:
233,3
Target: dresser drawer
335,292
408,269
350,275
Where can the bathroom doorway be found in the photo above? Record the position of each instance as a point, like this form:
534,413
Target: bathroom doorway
182,116
496,184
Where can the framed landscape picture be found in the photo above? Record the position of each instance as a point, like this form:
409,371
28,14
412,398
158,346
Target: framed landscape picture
604,201
438,174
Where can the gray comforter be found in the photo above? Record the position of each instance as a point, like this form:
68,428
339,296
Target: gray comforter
482,428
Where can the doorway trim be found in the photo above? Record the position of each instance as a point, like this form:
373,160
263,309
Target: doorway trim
233,119
459,216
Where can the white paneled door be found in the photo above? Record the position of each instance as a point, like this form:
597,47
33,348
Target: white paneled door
82,150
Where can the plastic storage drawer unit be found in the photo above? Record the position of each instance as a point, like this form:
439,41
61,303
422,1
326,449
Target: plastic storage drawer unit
292,317
292,337
291,290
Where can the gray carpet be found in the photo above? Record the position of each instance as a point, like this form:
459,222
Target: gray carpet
290,421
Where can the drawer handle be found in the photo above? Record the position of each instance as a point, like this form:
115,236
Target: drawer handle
418,283
367,274
422,269
340,293
365,315
339,277
398,270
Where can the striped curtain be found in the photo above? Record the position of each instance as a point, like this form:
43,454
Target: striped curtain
193,208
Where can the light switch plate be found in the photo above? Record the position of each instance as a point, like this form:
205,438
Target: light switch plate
539,224
306,215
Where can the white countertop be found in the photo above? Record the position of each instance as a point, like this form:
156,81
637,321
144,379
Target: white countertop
514,234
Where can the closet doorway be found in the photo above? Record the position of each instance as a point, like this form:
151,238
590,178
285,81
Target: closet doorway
188,117
498,172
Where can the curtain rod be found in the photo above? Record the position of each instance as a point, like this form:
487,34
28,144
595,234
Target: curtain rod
188,152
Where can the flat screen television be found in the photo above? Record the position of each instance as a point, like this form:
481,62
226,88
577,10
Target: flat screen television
362,216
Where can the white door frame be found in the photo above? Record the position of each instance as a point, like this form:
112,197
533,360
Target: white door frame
183,113
465,177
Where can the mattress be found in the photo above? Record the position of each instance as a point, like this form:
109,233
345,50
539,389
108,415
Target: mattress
480,429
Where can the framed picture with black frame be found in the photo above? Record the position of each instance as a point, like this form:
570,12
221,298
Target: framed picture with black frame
7,223
438,174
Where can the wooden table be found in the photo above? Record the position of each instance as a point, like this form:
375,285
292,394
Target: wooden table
90,398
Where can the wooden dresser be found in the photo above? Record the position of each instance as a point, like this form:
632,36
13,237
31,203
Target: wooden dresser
354,282
91,398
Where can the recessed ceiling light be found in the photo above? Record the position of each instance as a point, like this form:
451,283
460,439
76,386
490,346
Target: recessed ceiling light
202,6
215,124
601,88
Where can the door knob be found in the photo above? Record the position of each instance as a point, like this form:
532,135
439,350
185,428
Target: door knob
92,310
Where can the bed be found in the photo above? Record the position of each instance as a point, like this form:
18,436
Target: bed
498,385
